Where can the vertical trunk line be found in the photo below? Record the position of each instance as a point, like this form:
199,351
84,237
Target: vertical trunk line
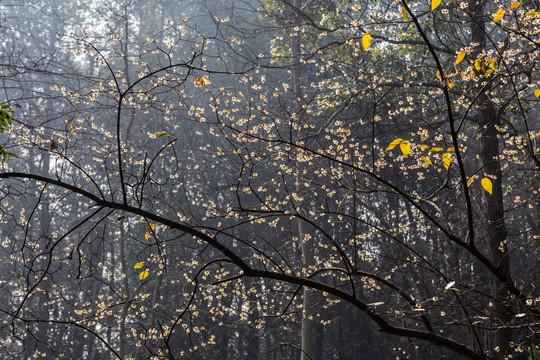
308,256
495,225
125,306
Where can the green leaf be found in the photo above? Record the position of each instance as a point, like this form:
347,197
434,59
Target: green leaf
5,117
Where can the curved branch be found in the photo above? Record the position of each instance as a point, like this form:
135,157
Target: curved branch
247,270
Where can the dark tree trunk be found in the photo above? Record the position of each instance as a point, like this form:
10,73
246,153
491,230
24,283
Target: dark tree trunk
494,214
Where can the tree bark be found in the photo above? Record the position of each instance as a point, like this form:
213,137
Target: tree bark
494,221
495,226
308,256
36,341
125,306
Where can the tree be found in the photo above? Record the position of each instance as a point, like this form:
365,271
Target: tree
405,161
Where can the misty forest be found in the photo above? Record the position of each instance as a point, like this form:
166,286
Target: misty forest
270,179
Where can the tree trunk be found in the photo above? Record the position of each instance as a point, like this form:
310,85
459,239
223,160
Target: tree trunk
36,342
495,226
125,307
308,256
494,221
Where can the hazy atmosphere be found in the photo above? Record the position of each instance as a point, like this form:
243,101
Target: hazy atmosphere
269,179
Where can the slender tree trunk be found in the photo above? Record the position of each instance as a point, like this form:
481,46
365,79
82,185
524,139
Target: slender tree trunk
111,321
308,300
308,256
123,258
495,225
496,230
125,307
36,341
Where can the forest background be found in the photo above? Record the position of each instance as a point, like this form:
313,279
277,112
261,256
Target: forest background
271,179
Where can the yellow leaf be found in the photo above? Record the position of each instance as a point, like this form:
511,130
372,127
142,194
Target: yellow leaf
450,83
435,4
366,40
487,185
499,15
437,149
516,4
202,80
405,147
160,133
439,75
473,75
422,146
460,57
138,265
426,160
405,14
471,179
393,144
463,76
143,275
152,226
73,127
532,14
493,64
537,92
147,235
479,64
447,160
